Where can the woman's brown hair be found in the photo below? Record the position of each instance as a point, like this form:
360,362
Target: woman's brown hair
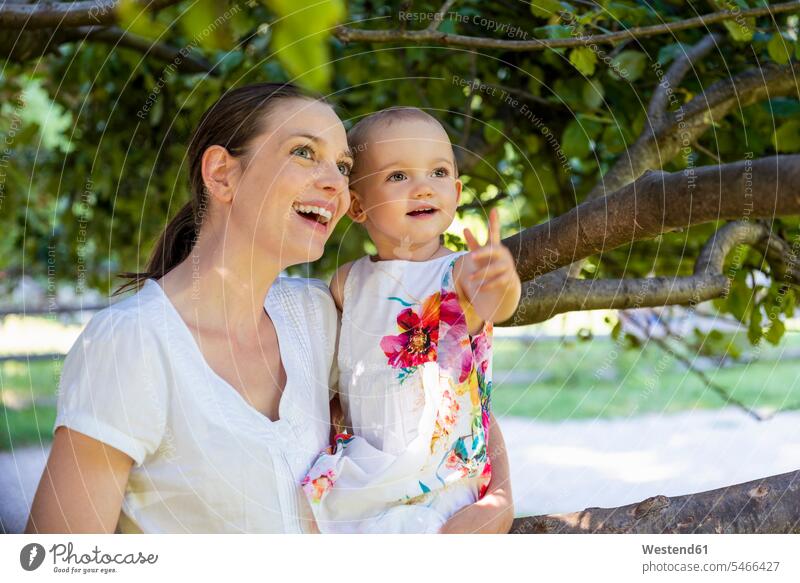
232,122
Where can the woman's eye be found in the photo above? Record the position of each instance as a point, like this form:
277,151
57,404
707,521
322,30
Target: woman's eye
396,177
440,172
303,152
345,169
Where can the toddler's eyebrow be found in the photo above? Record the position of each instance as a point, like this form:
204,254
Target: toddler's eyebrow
399,163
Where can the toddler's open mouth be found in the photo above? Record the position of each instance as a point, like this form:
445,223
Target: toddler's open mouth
423,211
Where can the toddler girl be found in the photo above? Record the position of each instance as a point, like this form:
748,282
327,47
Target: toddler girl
415,342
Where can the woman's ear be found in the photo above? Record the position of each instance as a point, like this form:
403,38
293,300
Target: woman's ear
220,173
356,212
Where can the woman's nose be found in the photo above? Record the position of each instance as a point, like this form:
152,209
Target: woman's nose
330,178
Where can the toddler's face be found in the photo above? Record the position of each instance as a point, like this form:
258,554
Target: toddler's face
405,191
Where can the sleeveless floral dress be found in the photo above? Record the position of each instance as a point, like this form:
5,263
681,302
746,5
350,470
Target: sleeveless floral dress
415,388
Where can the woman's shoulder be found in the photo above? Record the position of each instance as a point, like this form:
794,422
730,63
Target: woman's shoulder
307,303
303,289
126,321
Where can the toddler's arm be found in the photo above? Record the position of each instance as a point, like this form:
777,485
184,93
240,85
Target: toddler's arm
494,513
486,279
337,284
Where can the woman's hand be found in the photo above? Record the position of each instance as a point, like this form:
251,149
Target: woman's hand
82,487
494,513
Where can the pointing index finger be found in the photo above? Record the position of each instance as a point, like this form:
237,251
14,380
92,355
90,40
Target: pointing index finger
494,227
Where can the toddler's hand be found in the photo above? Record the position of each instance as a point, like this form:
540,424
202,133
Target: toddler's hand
489,277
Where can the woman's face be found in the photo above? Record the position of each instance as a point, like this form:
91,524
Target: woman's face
294,187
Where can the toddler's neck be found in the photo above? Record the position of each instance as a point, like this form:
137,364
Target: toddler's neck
422,253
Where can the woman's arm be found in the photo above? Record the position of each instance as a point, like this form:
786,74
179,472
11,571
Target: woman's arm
82,487
494,513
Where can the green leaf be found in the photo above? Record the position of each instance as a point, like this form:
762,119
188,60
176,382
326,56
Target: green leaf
206,24
775,332
781,107
593,94
628,65
574,141
779,48
584,59
134,18
741,29
669,52
754,331
301,38
492,134
545,8
532,144
786,138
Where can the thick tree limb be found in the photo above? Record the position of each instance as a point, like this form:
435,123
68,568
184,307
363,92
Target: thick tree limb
768,505
656,203
551,294
431,36
66,14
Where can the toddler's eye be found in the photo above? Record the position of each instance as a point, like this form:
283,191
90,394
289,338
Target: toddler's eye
303,152
441,173
396,177
345,168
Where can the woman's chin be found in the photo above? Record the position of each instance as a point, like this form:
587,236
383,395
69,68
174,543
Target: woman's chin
312,251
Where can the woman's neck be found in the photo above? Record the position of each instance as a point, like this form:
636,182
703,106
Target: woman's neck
221,286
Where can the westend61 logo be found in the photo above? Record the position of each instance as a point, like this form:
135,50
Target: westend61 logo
66,560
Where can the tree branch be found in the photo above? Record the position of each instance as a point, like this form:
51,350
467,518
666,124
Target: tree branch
120,38
67,14
689,364
434,37
439,16
768,505
656,203
551,294
672,79
661,143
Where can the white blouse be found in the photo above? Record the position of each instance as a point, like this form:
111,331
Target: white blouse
204,459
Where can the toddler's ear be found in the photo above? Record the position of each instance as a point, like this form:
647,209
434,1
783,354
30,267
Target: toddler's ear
356,211
459,186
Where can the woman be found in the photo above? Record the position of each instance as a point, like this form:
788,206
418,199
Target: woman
194,405
198,404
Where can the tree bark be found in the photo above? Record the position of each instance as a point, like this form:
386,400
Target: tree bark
659,202
769,505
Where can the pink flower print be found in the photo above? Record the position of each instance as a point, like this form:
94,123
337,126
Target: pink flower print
455,352
445,418
316,489
419,335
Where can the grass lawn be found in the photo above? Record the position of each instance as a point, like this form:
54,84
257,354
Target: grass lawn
553,380
545,380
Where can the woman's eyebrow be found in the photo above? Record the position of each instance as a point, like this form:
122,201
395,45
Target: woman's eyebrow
310,137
